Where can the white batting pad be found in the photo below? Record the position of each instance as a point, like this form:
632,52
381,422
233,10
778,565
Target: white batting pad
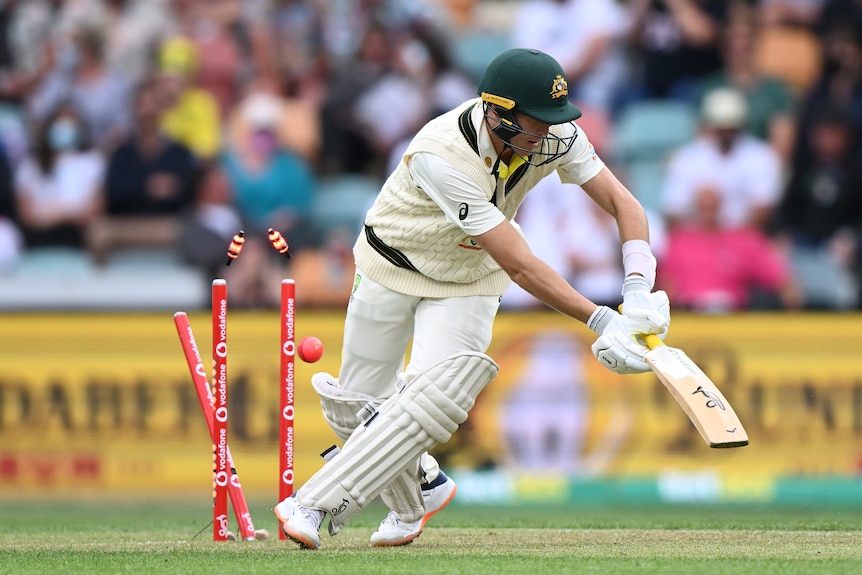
404,494
424,414
343,410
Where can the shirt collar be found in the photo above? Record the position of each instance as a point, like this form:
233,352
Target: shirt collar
486,148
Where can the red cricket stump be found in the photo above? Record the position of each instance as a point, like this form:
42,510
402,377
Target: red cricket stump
287,379
205,398
219,415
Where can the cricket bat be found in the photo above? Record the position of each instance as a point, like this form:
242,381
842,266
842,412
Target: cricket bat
698,396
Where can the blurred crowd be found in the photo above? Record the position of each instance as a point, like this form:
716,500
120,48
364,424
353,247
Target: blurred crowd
172,124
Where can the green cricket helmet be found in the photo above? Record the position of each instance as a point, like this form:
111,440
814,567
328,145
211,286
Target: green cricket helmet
532,83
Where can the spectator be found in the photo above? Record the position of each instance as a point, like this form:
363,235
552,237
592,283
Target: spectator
584,36
840,83
346,24
10,234
296,120
207,228
835,13
787,45
272,186
299,54
134,30
149,174
708,267
676,43
221,44
425,58
792,12
148,184
743,170
822,198
83,78
420,84
27,56
58,184
346,146
770,101
26,47
191,114
256,277
820,216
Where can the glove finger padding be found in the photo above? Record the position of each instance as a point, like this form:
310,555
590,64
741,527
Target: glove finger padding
649,311
617,351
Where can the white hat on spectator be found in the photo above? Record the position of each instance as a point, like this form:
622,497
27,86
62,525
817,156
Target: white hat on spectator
724,108
262,110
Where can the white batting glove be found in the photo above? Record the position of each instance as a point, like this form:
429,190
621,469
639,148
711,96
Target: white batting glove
649,311
617,347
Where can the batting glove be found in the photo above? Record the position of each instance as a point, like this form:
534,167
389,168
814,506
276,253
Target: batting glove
649,311
617,347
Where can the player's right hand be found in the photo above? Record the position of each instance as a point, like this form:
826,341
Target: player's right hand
649,311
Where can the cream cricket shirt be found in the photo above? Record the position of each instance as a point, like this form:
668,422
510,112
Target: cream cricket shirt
446,189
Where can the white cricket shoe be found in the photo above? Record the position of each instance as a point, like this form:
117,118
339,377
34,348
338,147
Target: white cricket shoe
299,523
393,532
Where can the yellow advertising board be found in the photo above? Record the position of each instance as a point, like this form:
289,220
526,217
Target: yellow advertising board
794,380
105,402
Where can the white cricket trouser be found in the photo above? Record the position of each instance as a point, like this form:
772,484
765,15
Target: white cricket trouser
380,323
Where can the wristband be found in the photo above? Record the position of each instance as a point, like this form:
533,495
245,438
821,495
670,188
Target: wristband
638,259
600,319
635,283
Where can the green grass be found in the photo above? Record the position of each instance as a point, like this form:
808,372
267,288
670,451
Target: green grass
160,537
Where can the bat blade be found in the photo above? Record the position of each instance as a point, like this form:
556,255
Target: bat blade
697,395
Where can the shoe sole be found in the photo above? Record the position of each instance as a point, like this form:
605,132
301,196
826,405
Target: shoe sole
441,508
399,543
303,541
408,540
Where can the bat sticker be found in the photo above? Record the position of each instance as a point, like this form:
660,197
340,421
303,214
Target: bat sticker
712,399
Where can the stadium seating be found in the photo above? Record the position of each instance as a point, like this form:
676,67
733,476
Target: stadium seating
644,135
473,52
341,202
61,278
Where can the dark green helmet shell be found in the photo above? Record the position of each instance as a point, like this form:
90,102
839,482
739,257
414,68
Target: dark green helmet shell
530,82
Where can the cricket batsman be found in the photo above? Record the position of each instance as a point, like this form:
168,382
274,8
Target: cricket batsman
438,250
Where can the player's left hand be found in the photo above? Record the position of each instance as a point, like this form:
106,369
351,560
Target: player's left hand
617,347
649,312
620,353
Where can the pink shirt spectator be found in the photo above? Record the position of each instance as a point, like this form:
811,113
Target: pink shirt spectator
715,270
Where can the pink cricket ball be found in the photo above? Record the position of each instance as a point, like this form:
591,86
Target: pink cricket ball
310,349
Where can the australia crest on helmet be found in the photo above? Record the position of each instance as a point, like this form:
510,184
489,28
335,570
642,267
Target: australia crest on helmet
559,87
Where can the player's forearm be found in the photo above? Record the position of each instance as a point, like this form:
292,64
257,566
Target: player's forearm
613,197
542,282
509,249
632,223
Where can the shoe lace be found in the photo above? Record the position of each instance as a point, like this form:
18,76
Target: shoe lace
391,519
313,515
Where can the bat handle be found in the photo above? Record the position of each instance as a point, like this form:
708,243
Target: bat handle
652,340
